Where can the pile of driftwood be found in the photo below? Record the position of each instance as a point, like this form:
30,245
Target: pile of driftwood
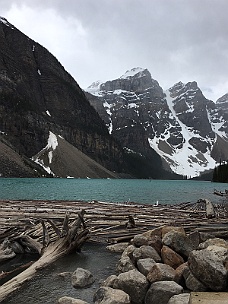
46,221
51,239
55,228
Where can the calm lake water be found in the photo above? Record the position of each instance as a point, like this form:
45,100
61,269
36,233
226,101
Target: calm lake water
109,190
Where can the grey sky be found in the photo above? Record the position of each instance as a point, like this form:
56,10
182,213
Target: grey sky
100,39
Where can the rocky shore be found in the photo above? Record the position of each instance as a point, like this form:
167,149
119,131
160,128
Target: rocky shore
163,265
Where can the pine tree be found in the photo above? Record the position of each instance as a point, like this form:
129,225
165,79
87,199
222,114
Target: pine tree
220,173
215,175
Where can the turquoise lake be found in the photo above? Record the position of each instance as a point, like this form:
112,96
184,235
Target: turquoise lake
109,190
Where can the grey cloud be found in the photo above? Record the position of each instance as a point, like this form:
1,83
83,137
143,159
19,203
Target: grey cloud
175,39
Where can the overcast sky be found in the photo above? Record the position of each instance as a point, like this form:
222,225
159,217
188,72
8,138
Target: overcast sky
176,40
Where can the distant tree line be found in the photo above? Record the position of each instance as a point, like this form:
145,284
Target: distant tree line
220,173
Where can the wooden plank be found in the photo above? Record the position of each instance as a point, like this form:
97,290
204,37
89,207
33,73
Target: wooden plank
208,298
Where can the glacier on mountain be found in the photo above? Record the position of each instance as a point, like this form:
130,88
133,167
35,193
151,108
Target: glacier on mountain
186,160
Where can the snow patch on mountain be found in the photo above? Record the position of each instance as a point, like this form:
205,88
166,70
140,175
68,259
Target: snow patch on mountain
49,149
52,145
217,123
187,134
132,73
184,160
5,21
119,92
107,106
94,88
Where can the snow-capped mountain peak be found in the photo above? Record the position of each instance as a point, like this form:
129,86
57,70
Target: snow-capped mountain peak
222,99
94,88
188,131
134,80
133,72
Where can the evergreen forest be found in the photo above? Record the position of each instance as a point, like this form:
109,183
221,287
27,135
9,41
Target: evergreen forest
220,173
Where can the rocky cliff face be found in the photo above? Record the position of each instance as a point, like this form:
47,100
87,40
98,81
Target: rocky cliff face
188,132
37,96
127,114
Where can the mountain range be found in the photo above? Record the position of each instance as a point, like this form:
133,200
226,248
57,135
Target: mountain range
188,131
127,127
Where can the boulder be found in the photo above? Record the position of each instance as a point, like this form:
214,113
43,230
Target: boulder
205,236
153,232
128,251
134,283
140,240
214,242
191,281
124,264
160,272
182,298
156,242
82,278
161,292
170,257
69,300
178,242
179,278
118,248
207,265
148,238
145,265
195,239
109,282
108,295
167,229
146,252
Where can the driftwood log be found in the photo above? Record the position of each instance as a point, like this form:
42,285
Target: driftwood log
107,222
69,239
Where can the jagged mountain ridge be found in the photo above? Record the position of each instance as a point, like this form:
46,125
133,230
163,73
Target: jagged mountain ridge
188,131
37,96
